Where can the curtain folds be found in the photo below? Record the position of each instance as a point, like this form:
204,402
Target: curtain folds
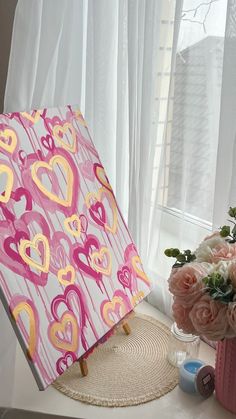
112,58
147,74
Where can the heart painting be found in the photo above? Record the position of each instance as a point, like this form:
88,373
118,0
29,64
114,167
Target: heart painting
69,269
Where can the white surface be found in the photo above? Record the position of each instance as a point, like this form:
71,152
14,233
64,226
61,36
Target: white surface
175,404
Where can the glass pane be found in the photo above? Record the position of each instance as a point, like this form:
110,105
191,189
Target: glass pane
196,108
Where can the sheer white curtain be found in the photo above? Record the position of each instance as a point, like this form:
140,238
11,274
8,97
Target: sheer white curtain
114,59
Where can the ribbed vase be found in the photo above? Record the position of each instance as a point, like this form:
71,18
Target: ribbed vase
225,374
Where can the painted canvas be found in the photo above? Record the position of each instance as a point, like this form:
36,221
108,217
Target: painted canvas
69,269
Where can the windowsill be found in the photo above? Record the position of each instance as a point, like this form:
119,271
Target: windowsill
175,404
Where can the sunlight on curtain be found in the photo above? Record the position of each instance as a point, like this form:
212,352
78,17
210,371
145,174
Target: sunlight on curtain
184,186
113,58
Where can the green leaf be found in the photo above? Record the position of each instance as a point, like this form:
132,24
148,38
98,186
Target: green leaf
181,258
187,252
232,212
175,252
234,230
168,252
225,231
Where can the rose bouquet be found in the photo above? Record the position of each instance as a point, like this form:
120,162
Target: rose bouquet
203,284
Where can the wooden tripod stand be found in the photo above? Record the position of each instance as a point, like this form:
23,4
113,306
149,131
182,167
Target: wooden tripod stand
83,363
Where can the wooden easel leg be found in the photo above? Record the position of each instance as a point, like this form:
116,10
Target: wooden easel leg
126,328
83,367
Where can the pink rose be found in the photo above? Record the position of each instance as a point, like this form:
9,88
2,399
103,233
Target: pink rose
209,318
223,251
186,283
181,316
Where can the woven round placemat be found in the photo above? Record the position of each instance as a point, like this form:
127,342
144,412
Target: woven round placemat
125,370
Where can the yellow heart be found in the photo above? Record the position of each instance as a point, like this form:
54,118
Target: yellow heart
101,175
67,128
32,117
111,306
9,182
60,327
10,136
62,272
137,298
136,261
101,255
67,221
34,244
98,197
80,118
49,166
24,306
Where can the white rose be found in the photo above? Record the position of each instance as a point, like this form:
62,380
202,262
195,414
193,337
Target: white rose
221,267
204,251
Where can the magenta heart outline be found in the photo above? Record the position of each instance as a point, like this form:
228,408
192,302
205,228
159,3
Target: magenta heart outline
98,217
16,196
63,361
130,251
66,299
124,276
48,142
7,230
16,241
95,166
91,241
84,223
8,256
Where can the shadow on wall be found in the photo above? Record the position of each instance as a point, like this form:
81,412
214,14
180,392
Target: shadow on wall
7,10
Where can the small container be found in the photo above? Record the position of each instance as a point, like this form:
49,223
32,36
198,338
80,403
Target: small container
196,377
181,346
187,374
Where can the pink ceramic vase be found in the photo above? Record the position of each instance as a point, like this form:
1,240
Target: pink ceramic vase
225,373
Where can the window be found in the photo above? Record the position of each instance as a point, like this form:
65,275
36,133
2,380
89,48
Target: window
191,130
183,194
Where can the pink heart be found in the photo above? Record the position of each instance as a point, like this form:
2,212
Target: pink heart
59,255
16,196
98,213
10,235
86,169
48,142
7,231
79,251
84,223
124,276
65,362
12,260
15,241
74,300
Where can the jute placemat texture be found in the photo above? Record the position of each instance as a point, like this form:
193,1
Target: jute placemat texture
125,370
